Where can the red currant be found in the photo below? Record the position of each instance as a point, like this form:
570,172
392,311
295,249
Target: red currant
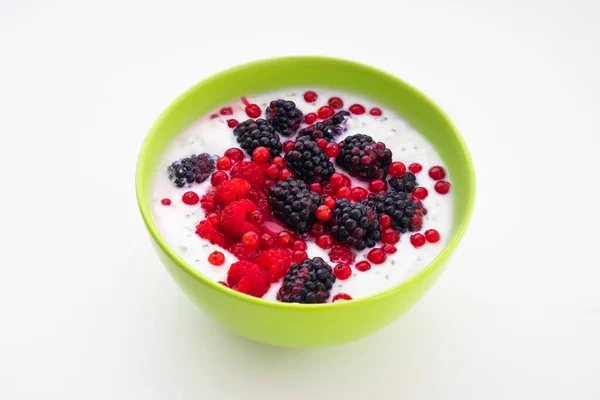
261,154
363,266
415,168
226,111
357,109
310,96
284,239
250,240
420,193
224,163
332,150
256,218
336,180
359,194
316,230
284,174
279,162
335,102
388,248
377,256
235,154
437,173
341,297
288,145
166,202
325,241
397,169
417,240
316,187
190,198
442,187
342,271
328,190
376,111
329,202
253,111
325,112
232,123
272,171
213,116
245,101
269,183
390,236
299,245
377,186
385,221
310,118
216,258
323,213
266,241
432,236
298,256
344,193
322,143
223,283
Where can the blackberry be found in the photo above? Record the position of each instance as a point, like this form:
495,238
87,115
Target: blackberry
354,224
405,211
284,116
328,129
364,158
294,203
308,161
309,282
191,169
254,133
406,184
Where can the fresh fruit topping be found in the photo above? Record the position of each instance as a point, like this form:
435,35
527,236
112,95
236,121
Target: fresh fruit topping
266,241
242,252
308,162
329,202
249,278
165,202
207,231
389,248
298,256
325,241
272,171
437,173
357,109
232,123
284,116
359,194
299,245
316,230
288,145
415,168
316,187
364,158
323,213
218,177
335,102
294,204
344,193
354,225
234,218
209,202
232,190
406,183
420,193
397,169
342,271
250,240
284,239
432,236
341,253
325,112
327,129
285,174
226,111
417,240
190,198
224,164
399,206
322,143
308,282
216,258
310,96
235,154
252,172
252,134
191,169
377,256
341,297
253,111
275,261
310,118
385,221
279,162
332,150
213,218
377,186
442,187
337,180
261,154
375,111
390,236
256,218
363,266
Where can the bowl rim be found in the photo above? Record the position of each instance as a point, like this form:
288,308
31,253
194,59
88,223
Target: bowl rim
145,209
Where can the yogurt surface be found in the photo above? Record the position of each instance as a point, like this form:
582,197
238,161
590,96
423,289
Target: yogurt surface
177,221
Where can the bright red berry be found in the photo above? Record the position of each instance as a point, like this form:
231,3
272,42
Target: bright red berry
332,150
325,241
310,118
213,218
390,236
377,186
388,248
359,194
216,258
235,154
266,241
253,111
336,180
317,229
329,202
385,221
190,198
310,96
165,202
323,213
279,162
342,271
224,164
232,123
261,154
335,102
284,174
397,169
442,187
437,173
377,256
218,177
341,297
357,109
245,101
328,190
284,239
415,168
417,240
316,187
256,218
269,183
376,111
298,256
420,193
223,283
325,112
344,193
226,111
432,236
322,143
363,266
272,171
250,240
299,245
288,145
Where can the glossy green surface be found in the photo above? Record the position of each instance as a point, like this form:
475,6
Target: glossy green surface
296,325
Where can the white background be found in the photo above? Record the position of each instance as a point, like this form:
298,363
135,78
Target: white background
88,312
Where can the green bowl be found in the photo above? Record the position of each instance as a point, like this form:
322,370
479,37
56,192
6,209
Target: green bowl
302,325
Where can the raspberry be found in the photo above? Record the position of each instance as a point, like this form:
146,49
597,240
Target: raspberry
341,253
207,230
276,261
209,202
250,171
284,116
308,282
249,278
232,190
243,253
234,219
364,158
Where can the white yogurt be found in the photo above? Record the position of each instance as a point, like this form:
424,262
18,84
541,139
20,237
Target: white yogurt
177,222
